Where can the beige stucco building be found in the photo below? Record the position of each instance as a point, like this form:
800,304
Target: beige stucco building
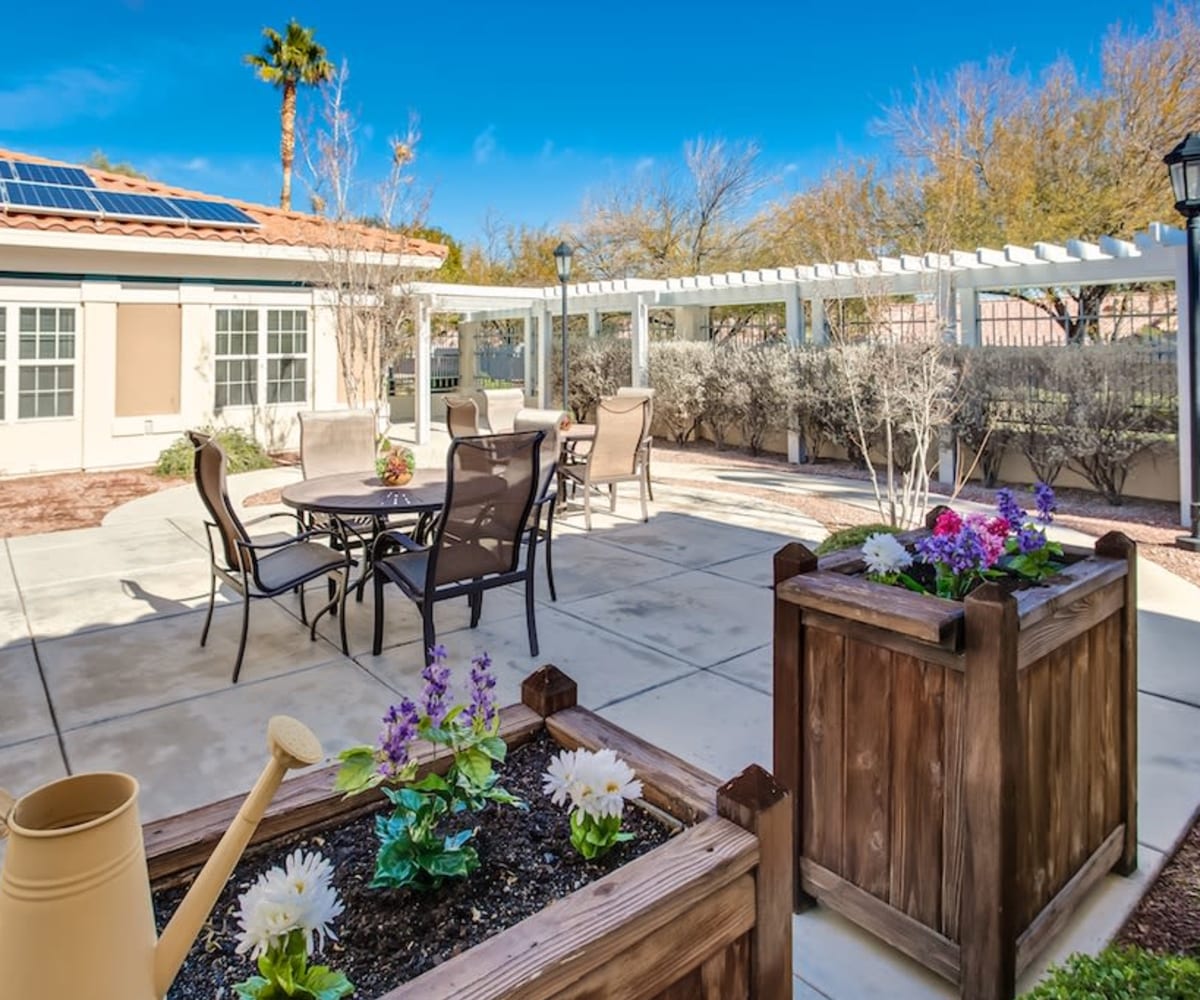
116,334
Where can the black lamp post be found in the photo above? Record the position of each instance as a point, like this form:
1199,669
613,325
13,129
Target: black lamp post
1184,164
562,260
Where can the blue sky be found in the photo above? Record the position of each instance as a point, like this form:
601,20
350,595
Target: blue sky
525,108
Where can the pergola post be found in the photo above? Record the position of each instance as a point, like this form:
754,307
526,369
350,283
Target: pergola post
545,332
528,353
593,322
640,343
819,333
968,316
691,322
466,355
423,400
793,318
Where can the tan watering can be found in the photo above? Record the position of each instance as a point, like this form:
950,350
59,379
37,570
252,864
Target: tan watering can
75,912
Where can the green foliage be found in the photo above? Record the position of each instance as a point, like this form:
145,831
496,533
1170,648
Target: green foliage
100,161
848,538
1121,974
1039,564
592,835
411,852
678,373
242,453
284,974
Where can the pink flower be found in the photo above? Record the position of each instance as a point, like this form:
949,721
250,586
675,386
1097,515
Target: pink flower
947,523
991,537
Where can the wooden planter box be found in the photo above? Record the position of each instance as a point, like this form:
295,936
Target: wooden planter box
962,774
705,916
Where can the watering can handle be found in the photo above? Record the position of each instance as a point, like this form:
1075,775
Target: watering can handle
6,805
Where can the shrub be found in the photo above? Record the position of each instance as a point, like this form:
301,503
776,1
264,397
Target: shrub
598,367
847,538
242,452
985,385
768,374
824,410
1121,974
726,393
1113,417
678,373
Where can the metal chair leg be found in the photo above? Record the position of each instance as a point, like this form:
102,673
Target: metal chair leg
303,612
427,629
212,599
642,496
237,666
529,619
649,483
377,634
549,559
475,600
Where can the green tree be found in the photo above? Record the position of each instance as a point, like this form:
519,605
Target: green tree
100,161
288,61
452,268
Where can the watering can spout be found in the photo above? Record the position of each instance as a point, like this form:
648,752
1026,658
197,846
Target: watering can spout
292,745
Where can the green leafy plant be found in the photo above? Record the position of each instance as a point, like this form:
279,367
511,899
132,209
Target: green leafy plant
1121,974
242,453
413,849
286,916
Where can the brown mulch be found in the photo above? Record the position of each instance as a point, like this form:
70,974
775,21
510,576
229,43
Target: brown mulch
1167,919
1153,524
388,936
32,504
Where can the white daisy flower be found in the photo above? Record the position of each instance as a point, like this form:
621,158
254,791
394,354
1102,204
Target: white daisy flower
299,896
598,784
559,779
883,554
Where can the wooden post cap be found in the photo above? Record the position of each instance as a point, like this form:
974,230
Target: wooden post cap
548,690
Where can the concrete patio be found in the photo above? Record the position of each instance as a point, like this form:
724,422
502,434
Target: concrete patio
666,626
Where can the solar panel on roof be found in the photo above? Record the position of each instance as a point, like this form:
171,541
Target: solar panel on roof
44,173
6,170
118,204
70,200
212,212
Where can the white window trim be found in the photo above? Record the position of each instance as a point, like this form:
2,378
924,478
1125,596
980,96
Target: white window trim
261,357
12,362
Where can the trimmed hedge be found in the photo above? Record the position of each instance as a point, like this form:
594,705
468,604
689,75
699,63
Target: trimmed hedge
1121,974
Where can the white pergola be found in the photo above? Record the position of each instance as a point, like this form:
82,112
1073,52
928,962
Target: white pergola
956,279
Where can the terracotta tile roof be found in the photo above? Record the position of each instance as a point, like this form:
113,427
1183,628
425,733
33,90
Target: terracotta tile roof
277,227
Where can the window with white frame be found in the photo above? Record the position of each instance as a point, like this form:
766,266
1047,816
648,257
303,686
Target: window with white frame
251,367
287,356
237,357
45,362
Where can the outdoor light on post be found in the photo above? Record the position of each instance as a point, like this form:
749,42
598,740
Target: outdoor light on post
1184,163
562,260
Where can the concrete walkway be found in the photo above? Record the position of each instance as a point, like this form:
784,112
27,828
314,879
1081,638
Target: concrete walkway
666,626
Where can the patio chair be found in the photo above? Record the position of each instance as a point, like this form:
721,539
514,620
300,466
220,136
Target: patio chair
616,455
478,543
263,567
500,408
462,416
549,422
334,442
641,392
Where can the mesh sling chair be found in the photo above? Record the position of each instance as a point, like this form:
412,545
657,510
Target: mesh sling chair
334,442
500,407
544,498
462,416
616,454
477,545
639,392
265,567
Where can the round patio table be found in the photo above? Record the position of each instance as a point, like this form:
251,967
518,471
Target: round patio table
357,494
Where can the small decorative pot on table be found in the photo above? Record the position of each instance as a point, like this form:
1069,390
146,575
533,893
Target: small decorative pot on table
706,915
962,773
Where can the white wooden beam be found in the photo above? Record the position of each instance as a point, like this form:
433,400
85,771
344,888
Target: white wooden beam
1083,250
1019,255
1051,252
992,258
423,370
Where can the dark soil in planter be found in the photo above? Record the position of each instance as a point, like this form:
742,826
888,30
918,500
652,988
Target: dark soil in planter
1168,917
386,937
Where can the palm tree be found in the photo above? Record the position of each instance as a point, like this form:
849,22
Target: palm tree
286,61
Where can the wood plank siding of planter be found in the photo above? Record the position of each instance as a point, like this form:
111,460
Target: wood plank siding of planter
962,774
705,916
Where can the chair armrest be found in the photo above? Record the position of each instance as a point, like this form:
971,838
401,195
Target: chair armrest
282,543
394,536
279,513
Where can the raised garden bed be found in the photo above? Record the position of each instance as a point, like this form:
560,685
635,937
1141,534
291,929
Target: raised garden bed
707,914
963,773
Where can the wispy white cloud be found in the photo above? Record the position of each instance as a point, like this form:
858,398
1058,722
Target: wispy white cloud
644,165
547,150
484,145
196,164
64,95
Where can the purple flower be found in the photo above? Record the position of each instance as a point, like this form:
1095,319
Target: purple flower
1046,504
1030,539
483,703
399,730
1008,507
437,679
